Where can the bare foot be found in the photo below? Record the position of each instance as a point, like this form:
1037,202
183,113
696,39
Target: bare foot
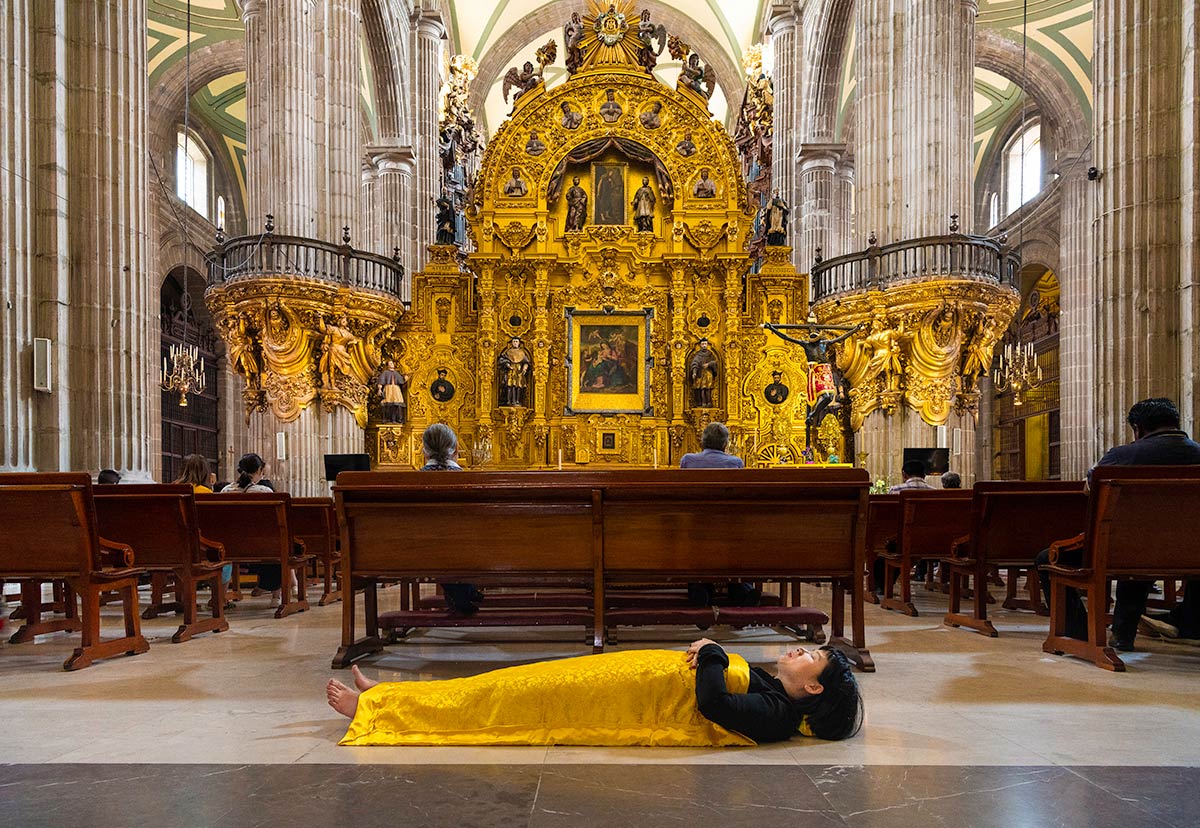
361,681
341,698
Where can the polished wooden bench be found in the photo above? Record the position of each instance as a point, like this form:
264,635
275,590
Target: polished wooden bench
256,528
930,521
883,522
161,524
1010,523
314,522
50,533
1143,523
556,528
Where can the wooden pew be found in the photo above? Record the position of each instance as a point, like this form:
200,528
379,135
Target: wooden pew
746,525
541,528
50,533
883,523
256,528
930,521
161,524
519,528
1143,523
315,523
1010,523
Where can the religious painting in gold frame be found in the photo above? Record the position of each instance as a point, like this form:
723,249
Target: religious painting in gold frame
608,361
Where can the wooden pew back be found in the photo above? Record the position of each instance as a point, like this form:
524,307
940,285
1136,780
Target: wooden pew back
1011,521
1145,520
931,519
314,521
49,526
158,521
251,526
883,520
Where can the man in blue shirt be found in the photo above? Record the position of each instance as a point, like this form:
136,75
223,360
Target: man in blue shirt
713,441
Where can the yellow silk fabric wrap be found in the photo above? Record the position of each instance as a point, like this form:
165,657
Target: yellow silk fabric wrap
641,697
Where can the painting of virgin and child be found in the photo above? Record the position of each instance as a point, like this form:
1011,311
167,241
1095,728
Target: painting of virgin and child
609,359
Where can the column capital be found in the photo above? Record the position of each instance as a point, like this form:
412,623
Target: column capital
252,9
781,18
820,155
390,158
426,17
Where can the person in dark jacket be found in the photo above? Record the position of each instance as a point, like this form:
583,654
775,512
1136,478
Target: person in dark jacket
1157,441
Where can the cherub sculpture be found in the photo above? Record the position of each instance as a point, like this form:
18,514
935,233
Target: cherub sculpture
697,76
653,37
522,80
572,37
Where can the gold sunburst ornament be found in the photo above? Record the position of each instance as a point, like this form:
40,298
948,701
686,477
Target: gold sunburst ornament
606,41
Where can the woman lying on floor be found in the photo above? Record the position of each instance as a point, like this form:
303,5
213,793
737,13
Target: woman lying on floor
704,697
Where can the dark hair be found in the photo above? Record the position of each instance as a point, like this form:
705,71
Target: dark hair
439,444
836,712
250,465
1153,414
715,436
195,471
913,468
108,477
951,480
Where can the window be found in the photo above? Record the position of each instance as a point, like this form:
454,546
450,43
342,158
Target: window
191,173
993,209
221,212
1023,162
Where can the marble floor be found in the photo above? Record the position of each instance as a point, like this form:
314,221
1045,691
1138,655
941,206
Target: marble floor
232,730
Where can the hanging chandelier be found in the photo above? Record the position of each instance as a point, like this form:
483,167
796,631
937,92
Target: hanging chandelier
1018,371
183,372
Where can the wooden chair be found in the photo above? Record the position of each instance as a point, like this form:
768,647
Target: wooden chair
883,524
930,521
50,533
1143,523
161,524
1010,523
314,522
256,528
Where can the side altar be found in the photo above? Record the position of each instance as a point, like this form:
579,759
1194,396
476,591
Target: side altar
610,308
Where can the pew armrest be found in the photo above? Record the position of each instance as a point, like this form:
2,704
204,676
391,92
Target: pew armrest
959,546
299,550
212,551
115,555
1058,548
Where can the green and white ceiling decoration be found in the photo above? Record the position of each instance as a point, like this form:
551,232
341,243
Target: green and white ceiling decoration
222,105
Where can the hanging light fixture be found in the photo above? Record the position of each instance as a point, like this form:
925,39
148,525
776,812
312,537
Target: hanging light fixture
183,371
1018,371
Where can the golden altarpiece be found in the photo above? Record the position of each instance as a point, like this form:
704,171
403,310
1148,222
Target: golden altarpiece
612,309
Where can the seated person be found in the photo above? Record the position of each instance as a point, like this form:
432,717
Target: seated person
641,697
108,477
440,447
251,469
196,474
914,472
1157,441
951,480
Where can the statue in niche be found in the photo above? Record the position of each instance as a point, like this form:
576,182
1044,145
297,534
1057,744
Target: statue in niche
445,220
705,187
776,220
535,145
522,80
514,365
391,390
571,118
643,207
776,392
515,187
650,118
577,201
648,33
441,389
697,76
572,37
610,193
702,374
610,110
686,147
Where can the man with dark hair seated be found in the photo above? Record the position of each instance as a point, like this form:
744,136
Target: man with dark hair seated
914,472
108,477
1157,441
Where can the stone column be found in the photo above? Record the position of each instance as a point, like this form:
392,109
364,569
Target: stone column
393,166
787,77
842,241
1189,317
815,210
1078,348
370,232
427,32
1138,94
340,196
282,115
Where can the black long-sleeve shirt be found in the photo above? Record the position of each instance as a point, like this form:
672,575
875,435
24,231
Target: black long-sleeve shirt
765,713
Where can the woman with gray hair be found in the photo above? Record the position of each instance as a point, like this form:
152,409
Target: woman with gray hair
440,445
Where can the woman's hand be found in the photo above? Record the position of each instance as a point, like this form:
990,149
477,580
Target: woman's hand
693,650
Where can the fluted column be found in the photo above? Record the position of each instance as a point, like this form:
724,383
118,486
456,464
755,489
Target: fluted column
393,195
371,229
282,115
1189,398
341,196
818,192
786,76
427,32
843,208
1138,93
1077,344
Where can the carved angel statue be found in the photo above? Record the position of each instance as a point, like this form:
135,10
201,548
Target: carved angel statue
653,37
336,355
977,359
241,348
697,76
522,80
572,37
